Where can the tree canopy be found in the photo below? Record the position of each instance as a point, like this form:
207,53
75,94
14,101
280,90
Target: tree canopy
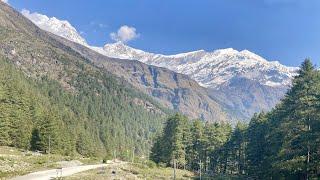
281,144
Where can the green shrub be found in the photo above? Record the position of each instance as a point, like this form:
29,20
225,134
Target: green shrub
163,165
151,164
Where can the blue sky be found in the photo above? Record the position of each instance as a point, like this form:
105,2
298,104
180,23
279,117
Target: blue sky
284,30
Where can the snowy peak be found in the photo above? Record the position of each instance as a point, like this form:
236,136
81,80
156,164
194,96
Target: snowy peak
59,27
187,54
117,46
119,49
210,69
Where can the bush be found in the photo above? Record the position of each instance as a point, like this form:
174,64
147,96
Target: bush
68,158
106,158
28,154
162,165
41,161
151,164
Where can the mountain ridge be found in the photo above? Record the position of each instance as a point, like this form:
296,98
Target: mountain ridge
120,50
172,90
217,71
190,62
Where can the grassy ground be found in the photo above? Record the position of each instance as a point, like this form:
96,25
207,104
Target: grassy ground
142,172
15,162
131,172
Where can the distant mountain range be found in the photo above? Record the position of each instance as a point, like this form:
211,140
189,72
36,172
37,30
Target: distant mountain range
241,82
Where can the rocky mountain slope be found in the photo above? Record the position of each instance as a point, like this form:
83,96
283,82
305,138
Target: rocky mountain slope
31,51
173,90
240,81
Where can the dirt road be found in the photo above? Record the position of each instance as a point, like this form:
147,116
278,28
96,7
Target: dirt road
63,172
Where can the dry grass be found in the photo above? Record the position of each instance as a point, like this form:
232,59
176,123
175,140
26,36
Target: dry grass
131,172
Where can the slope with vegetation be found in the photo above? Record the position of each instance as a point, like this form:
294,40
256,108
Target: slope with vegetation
50,94
281,144
34,111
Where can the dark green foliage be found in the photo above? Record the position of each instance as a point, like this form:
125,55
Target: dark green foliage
189,144
297,127
171,145
282,144
96,118
35,140
257,145
196,145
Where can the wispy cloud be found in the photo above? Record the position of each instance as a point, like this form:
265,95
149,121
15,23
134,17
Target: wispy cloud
98,24
124,34
101,25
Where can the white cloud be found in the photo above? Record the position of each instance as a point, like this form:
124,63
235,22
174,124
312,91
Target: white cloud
124,34
5,1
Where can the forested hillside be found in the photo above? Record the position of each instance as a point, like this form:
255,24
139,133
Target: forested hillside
97,120
284,143
50,92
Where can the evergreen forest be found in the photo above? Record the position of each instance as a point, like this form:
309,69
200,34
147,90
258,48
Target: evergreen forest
281,144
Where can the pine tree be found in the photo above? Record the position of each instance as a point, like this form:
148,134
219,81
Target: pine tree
156,154
196,151
5,138
295,156
170,147
256,147
35,140
49,132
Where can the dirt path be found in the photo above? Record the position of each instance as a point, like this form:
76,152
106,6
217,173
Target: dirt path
54,173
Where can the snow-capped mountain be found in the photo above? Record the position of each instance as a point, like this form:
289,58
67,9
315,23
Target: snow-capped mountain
241,81
55,26
211,69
